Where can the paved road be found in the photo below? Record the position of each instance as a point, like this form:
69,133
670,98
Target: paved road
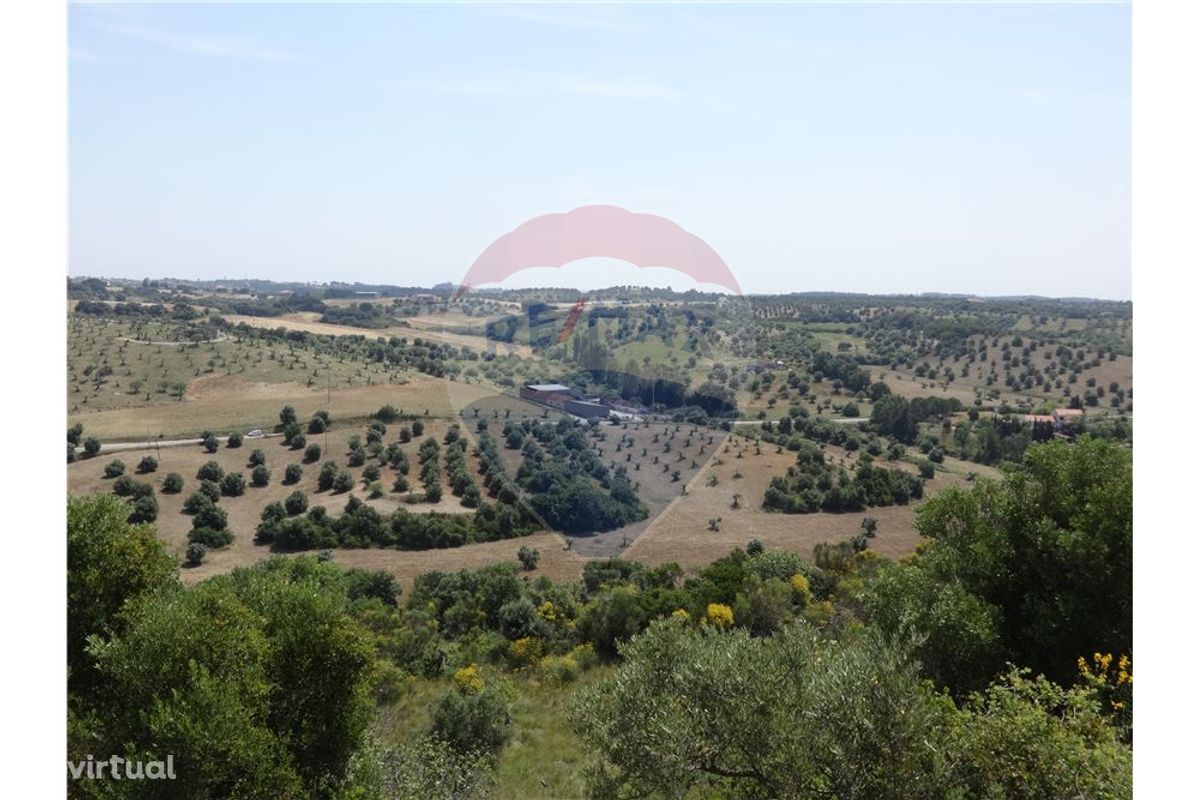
118,447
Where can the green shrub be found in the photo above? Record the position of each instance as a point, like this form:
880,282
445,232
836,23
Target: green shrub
210,516
145,508
233,485
326,477
344,482
194,556
210,471
528,557
210,537
172,483
469,721
296,503
260,476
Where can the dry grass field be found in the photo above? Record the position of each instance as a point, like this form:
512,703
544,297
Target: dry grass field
682,534
223,404
427,329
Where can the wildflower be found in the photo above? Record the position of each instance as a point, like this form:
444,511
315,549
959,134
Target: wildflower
719,615
468,680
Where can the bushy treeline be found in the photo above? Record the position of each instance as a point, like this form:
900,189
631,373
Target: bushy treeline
899,417
180,311
813,484
360,315
360,525
570,487
431,358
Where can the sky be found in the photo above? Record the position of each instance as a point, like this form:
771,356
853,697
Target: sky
972,148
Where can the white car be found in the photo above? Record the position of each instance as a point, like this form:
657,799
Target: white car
254,434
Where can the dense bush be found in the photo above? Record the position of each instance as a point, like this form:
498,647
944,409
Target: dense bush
260,476
344,481
292,473
326,477
812,484
570,487
362,526
126,486
145,508
387,413
114,469
210,471
210,516
195,554
210,537
233,485
469,721
257,682
296,503
172,483
147,464
195,502
528,557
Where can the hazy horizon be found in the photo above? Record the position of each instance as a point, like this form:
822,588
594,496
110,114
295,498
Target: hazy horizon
597,287
882,149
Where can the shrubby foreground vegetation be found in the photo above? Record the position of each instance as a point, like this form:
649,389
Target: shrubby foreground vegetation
994,663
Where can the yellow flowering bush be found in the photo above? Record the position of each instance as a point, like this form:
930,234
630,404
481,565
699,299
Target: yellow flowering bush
469,680
1112,683
527,650
546,611
681,613
801,588
719,615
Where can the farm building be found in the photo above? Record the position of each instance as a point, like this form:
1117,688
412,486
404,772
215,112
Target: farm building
562,397
550,394
586,408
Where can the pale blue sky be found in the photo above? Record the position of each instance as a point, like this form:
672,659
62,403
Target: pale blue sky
873,148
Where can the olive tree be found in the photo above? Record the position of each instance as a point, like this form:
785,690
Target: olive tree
172,483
